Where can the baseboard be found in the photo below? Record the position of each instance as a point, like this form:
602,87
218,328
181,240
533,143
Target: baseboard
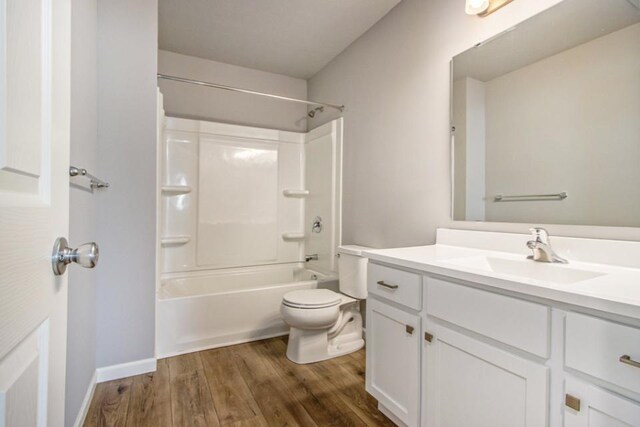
82,414
123,370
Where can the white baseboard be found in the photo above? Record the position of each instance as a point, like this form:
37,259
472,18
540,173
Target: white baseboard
123,370
82,414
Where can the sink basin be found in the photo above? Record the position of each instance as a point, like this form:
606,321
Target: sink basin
527,269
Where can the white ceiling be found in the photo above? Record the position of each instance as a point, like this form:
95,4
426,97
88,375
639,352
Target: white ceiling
292,37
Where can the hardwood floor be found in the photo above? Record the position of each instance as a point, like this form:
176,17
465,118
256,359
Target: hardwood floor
250,384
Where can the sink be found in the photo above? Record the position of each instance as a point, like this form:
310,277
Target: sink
527,269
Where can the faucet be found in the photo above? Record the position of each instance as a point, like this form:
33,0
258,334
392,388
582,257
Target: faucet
313,257
541,246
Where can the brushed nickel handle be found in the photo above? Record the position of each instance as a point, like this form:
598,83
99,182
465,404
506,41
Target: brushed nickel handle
85,255
428,337
387,285
572,402
627,360
409,329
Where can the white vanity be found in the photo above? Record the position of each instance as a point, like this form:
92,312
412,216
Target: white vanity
469,332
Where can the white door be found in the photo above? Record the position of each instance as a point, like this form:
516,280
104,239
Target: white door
34,208
590,406
393,360
473,384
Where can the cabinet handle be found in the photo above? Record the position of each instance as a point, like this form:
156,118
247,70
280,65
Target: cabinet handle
572,402
626,359
428,337
387,285
409,329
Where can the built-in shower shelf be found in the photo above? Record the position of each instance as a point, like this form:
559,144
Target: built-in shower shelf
175,240
290,237
296,193
174,190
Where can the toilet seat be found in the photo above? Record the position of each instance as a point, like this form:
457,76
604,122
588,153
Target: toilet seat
312,298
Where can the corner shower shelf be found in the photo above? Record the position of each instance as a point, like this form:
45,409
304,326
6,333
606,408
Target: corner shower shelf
173,190
292,236
175,240
296,193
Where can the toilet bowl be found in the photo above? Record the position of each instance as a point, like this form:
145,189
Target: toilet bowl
326,324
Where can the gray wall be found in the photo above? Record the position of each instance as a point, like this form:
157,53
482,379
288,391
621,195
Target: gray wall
81,332
394,81
127,67
202,103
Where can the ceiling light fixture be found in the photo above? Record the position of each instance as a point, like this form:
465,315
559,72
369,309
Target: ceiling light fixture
484,7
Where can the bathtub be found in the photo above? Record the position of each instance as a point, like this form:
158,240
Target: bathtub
214,309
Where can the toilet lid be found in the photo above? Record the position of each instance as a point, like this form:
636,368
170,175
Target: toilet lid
312,298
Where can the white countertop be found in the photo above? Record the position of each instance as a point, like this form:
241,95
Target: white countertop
616,291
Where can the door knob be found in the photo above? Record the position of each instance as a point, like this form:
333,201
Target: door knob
85,255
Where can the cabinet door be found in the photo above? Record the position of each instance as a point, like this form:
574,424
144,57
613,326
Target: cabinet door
589,406
393,360
474,384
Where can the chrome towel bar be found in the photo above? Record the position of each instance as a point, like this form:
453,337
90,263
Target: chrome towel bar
95,182
530,197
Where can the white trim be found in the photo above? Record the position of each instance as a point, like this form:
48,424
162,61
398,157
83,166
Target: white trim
123,370
387,413
82,413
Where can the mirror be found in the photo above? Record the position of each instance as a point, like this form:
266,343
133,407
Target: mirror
546,119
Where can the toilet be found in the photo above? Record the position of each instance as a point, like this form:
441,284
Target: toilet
326,324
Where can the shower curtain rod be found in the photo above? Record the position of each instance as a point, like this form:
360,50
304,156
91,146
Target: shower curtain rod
251,92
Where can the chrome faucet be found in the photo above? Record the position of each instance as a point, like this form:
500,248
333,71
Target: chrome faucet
313,257
541,246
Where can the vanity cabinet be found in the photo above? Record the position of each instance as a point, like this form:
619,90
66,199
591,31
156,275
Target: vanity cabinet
453,353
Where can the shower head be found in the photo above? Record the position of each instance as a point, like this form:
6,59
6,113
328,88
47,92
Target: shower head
312,113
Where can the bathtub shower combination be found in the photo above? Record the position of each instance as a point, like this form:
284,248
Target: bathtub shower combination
240,209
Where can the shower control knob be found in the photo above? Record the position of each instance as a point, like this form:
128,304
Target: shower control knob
85,255
316,227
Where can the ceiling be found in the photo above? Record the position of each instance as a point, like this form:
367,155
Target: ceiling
291,37
568,24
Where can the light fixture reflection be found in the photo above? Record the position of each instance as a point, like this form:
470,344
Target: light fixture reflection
474,7
484,7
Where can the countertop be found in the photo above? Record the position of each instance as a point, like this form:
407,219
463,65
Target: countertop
615,291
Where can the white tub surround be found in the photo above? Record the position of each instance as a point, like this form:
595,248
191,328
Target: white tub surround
483,336
236,221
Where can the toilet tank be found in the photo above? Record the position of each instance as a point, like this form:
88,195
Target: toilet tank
352,271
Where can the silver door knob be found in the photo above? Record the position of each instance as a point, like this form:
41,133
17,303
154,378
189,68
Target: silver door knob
85,255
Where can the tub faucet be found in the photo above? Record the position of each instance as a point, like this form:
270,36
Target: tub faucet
312,257
541,246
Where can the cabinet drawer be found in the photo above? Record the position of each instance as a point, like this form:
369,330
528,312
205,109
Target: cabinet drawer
399,286
521,324
595,347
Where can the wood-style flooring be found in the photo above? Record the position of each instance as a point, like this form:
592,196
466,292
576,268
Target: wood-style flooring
251,384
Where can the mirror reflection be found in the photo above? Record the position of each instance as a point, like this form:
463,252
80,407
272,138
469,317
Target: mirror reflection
540,113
